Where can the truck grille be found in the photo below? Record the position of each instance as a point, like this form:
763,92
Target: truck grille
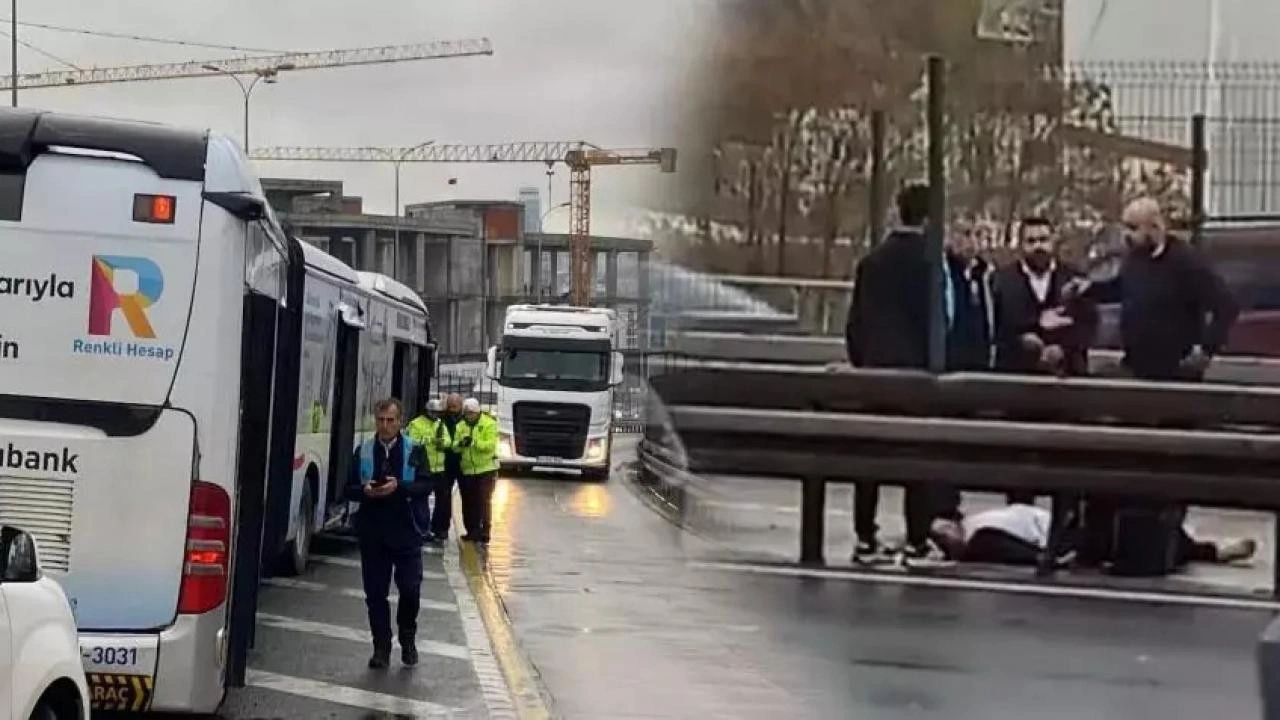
551,429
44,508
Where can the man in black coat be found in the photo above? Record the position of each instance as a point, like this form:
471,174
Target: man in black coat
970,336
888,327
1037,331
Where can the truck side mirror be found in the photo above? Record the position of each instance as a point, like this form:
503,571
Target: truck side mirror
615,370
491,365
18,558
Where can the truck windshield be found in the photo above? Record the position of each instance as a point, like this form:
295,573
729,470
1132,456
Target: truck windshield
555,369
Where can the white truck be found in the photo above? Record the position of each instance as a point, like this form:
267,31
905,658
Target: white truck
555,374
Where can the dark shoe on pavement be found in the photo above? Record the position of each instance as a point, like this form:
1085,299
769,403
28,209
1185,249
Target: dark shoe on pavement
869,553
409,654
922,557
381,658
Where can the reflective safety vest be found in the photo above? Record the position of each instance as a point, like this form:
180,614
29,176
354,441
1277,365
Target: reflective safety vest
482,455
434,437
366,460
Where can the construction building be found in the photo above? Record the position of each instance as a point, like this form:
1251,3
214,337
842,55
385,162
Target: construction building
468,259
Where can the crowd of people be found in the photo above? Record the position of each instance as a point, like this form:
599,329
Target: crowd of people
1037,315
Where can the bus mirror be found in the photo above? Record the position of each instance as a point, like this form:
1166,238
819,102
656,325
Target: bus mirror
615,370
491,366
18,563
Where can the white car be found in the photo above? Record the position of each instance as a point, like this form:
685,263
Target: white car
41,675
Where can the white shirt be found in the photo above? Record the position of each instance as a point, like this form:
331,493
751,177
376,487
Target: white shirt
1039,283
1028,523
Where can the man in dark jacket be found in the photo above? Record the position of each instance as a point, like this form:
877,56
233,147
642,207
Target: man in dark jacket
1175,311
1175,315
1036,330
970,336
387,478
888,327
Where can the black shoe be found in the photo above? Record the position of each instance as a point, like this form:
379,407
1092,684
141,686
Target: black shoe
408,654
381,658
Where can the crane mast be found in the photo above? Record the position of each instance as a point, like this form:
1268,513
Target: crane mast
579,156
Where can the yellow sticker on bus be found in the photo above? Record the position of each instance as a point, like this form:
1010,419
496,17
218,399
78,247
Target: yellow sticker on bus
110,691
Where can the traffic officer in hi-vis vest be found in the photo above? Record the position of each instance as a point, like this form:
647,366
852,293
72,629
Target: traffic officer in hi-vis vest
387,475
432,433
476,438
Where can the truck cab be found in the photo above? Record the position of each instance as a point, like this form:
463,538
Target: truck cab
555,372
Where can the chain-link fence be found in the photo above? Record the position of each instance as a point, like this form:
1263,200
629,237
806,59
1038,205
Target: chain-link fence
1072,143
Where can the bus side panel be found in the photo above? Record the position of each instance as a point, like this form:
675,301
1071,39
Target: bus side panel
376,360
315,391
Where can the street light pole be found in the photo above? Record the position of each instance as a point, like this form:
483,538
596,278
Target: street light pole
270,75
396,160
542,231
13,42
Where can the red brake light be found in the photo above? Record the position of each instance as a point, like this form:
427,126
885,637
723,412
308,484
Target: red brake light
205,562
154,208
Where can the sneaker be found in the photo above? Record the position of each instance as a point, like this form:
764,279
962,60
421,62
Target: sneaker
1237,550
922,556
868,553
381,658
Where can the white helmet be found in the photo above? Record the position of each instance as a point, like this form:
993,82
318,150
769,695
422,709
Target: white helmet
471,405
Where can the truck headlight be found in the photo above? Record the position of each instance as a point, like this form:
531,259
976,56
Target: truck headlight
506,449
597,448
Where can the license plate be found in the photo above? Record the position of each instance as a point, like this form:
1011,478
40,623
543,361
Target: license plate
551,460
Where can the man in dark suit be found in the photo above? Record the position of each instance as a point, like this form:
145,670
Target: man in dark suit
1036,330
970,336
888,327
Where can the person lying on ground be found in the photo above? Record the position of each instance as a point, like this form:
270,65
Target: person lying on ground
1017,533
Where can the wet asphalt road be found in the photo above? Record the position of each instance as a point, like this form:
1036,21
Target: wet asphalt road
619,624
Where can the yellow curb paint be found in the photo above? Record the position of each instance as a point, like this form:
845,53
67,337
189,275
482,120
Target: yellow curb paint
525,695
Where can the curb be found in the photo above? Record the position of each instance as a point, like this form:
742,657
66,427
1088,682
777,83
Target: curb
527,700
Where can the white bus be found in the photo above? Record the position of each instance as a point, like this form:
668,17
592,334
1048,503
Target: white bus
154,376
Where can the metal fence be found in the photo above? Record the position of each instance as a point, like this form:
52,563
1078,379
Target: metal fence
1070,142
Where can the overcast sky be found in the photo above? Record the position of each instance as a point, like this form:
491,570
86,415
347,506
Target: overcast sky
612,72
1172,30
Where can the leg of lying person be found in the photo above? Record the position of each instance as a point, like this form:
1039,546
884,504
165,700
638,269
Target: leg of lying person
1191,550
989,545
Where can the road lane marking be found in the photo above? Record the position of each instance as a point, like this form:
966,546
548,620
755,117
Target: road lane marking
493,684
357,593
341,632
355,563
349,696
520,676
1028,588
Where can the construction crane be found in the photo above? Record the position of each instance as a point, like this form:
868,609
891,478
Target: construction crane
579,156
255,64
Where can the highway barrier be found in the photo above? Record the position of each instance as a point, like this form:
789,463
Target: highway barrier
1205,444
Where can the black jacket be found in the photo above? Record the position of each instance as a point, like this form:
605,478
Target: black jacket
390,519
888,325
1169,304
1017,313
969,340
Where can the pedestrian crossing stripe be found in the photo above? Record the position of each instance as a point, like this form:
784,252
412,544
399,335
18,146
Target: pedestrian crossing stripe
114,691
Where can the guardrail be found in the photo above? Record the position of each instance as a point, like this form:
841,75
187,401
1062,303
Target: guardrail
802,350
1214,445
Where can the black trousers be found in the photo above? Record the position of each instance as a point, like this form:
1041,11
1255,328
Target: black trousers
379,563
990,545
1097,543
921,504
477,504
442,503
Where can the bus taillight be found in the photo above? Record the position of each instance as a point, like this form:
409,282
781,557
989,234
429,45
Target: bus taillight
204,570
